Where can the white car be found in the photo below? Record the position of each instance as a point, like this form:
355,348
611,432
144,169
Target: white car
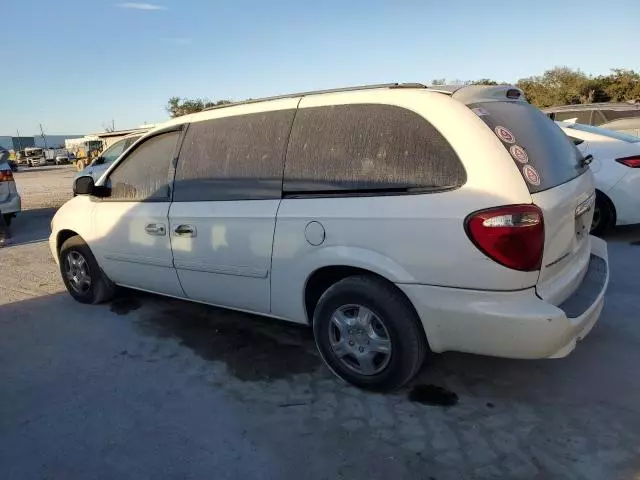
396,220
616,167
10,203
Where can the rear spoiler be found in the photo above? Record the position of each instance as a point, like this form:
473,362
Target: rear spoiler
468,94
488,93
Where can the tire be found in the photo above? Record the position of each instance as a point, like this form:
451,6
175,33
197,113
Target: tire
392,319
8,218
100,288
604,215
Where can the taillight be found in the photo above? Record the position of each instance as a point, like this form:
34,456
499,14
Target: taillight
513,235
631,162
6,176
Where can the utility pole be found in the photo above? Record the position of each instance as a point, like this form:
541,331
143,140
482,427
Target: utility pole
44,139
19,142
113,125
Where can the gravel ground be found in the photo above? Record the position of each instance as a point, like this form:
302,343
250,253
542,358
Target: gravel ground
148,387
45,187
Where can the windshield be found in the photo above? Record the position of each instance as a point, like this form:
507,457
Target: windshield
625,137
544,155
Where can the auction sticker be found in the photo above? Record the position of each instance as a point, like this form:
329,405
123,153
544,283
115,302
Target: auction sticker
519,154
505,135
531,175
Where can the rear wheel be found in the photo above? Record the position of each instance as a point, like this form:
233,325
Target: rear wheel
604,215
81,273
368,334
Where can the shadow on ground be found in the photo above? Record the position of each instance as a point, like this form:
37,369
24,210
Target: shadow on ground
31,226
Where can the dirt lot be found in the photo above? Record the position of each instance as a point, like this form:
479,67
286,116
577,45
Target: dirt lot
148,387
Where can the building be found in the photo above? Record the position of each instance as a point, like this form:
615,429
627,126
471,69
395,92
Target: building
19,143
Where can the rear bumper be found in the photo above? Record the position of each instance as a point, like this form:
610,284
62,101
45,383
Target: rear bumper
12,205
511,324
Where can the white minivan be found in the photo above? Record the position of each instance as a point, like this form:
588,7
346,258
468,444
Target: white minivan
396,220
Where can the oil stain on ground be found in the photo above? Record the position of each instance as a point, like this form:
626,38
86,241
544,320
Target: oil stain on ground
124,305
433,395
252,348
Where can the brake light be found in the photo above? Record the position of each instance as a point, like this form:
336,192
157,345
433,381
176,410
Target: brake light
6,176
631,162
513,235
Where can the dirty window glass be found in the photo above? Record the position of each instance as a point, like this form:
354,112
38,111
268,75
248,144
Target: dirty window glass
144,173
367,147
233,158
542,152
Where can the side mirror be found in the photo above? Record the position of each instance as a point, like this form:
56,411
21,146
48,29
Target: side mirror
86,186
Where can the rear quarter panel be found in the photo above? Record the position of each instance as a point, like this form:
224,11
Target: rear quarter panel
417,239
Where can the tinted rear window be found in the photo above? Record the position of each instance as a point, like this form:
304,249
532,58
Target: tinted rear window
368,148
542,152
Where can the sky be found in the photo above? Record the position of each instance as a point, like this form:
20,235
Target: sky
76,66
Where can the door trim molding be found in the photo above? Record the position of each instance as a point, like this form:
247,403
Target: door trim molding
239,271
155,261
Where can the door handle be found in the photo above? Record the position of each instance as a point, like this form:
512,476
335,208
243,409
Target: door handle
185,231
157,229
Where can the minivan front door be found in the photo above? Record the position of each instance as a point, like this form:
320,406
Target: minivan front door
227,190
132,224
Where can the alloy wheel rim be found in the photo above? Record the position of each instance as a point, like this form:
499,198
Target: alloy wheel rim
77,272
359,339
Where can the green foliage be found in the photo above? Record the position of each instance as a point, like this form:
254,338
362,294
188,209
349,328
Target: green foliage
177,106
564,86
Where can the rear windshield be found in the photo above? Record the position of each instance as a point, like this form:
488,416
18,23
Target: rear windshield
625,137
544,155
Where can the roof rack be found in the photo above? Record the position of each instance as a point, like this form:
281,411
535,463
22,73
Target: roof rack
320,92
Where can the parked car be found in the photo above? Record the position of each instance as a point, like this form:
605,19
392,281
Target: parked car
396,220
62,159
616,167
100,164
622,116
34,157
10,202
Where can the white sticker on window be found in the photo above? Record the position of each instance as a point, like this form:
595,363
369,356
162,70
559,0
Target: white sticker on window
480,111
519,154
505,135
531,175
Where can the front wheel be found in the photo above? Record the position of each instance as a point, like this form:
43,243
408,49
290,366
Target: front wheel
81,273
368,334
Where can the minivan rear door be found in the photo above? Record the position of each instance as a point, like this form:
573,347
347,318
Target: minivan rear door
560,184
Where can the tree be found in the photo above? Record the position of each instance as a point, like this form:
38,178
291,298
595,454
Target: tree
177,106
621,85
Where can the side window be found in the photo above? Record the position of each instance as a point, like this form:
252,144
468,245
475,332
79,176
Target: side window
576,116
618,114
144,173
367,147
233,158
